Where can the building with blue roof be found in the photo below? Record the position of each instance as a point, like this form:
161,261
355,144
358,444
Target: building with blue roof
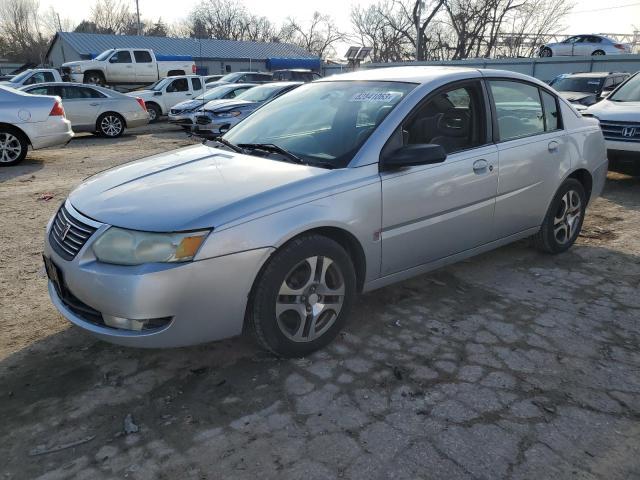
211,56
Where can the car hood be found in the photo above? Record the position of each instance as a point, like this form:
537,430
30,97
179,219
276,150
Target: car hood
192,188
188,105
141,93
577,96
608,110
79,62
8,84
215,105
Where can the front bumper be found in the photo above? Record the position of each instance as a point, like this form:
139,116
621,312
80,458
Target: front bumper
623,146
205,299
180,118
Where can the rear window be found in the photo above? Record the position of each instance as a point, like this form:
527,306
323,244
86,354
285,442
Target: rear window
142,56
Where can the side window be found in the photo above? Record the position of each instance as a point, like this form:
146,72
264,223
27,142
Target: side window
196,83
37,77
453,119
48,77
91,93
39,91
178,85
243,78
552,120
608,83
594,39
123,56
142,56
518,109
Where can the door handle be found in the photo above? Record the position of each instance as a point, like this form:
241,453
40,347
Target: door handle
94,104
553,146
188,94
129,66
480,166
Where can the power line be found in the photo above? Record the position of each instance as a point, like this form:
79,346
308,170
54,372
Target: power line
607,8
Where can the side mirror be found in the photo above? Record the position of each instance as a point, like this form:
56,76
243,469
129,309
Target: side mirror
157,94
113,59
412,155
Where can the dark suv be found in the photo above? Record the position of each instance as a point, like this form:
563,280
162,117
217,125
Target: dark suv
295,75
585,89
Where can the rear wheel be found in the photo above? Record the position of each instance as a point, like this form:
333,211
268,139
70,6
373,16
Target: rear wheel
110,125
13,147
546,52
598,52
563,221
94,78
303,296
154,112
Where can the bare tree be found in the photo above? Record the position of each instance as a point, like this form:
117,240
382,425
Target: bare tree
318,36
21,28
113,16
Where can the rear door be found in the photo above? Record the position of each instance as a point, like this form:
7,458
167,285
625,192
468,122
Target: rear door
196,86
533,152
432,211
81,105
145,69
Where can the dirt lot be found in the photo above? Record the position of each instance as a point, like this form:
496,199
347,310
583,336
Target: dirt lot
511,365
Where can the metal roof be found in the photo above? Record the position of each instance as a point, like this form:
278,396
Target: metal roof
87,44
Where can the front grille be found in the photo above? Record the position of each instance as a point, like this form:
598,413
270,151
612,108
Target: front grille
68,234
65,70
203,120
621,131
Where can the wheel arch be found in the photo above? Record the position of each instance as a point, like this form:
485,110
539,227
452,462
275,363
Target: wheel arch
154,103
93,70
585,178
18,130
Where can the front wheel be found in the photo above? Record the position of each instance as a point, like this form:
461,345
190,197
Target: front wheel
13,147
303,296
94,78
563,221
154,112
598,52
110,125
546,52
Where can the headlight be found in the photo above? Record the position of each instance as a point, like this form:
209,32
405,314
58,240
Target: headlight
130,247
76,69
234,113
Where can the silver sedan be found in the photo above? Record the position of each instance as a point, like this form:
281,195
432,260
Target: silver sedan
584,45
91,108
343,185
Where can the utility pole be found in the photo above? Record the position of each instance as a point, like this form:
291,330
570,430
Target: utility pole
138,15
418,20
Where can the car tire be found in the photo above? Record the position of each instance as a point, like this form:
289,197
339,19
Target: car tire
94,78
110,125
13,146
563,221
546,52
302,297
154,112
598,52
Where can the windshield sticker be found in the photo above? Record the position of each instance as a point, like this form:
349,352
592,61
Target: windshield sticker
374,97
594,82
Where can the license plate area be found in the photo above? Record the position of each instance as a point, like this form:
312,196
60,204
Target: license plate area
54,274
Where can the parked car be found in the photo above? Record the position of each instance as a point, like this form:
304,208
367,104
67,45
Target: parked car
295,75
584,45
33,76
383,175
95,109
181,113
161,96
585,89
29,120
218,116
209,79
619,116
244,77
127,66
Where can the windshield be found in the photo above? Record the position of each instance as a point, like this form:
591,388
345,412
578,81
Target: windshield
230,77
215,92
159,85
332,119
104,55
259,94
628,92
21,76
577,84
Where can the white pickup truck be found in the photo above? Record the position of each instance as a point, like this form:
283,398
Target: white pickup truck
33,76
127,66
165,93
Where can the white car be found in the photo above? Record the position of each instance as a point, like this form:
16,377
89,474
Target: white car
584,45
35,120
165,93
33,76
619,116
90,108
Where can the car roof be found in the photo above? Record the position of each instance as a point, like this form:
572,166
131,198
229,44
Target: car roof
425,74
593,74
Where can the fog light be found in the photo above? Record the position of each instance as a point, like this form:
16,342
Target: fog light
135,325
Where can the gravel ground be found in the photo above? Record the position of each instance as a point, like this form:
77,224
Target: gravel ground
511,365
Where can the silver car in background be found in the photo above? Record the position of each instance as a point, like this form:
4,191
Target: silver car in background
95,109
584,45
343,185
25,120
181,114
219,116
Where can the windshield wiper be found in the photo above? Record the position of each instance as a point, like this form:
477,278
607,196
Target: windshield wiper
320,164
273,148
227,143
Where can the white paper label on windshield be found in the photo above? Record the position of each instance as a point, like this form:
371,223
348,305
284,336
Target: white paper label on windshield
374,97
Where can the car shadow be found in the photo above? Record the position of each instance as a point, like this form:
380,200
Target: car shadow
622,190
28,167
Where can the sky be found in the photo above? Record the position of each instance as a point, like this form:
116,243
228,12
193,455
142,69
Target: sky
588,16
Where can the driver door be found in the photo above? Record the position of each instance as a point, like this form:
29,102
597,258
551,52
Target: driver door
432,211
120,67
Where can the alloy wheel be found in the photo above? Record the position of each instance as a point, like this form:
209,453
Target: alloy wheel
10,147
567,217
111,126
152,114
310,299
